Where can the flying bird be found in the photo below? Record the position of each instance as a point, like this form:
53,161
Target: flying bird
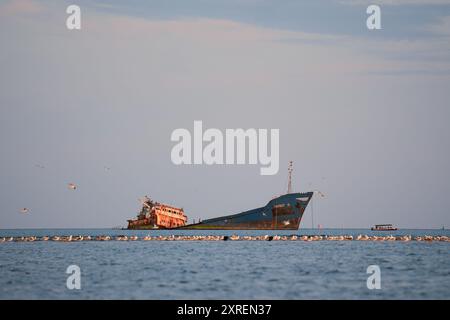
24,210
319,193
71,186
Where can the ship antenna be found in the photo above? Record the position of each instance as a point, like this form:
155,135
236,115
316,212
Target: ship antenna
290,169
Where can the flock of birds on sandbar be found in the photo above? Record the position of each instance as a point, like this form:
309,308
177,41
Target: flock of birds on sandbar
78,238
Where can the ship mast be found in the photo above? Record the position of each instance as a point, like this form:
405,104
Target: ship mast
290,169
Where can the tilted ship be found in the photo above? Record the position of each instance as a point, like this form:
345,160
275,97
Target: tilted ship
155,215
284,212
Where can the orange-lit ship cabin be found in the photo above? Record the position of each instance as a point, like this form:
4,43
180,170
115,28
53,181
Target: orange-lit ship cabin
165,216
158,216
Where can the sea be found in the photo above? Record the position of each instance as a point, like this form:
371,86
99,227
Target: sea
224,269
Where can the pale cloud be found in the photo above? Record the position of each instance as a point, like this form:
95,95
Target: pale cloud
18,7
441,27
339,53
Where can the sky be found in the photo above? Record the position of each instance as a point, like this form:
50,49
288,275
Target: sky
363,114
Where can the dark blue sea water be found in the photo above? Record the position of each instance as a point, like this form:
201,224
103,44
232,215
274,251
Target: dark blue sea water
224,269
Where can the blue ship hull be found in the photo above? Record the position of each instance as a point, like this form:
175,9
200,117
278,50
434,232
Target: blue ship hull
282,213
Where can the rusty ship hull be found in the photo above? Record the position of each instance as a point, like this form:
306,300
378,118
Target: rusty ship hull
282,213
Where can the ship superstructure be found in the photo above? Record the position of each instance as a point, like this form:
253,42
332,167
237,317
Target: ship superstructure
155,215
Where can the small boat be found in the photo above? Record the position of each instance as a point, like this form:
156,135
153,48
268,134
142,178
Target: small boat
383,227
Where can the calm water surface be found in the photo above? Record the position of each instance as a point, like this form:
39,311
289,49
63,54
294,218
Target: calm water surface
224,269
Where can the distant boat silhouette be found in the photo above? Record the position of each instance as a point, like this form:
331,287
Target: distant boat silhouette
383,227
